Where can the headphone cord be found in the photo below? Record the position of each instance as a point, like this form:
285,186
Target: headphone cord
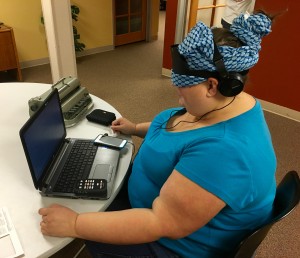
183,121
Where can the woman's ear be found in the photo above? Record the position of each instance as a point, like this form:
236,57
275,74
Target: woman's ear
212,87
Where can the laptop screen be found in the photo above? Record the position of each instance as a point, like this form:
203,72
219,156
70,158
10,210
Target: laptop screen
42,136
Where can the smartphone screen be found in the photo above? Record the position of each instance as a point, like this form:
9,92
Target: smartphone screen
110,141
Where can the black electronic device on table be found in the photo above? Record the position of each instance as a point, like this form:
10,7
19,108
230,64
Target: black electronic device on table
101,116
92,187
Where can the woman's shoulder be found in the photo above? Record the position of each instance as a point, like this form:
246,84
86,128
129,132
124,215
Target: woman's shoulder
242,105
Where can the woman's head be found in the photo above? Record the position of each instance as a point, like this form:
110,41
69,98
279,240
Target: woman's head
239,48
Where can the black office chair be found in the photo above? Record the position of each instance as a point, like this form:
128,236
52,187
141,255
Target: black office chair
286,199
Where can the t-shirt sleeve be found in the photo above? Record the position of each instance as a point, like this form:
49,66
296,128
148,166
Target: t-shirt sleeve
220,168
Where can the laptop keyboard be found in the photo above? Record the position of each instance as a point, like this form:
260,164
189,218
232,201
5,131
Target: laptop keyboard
77,167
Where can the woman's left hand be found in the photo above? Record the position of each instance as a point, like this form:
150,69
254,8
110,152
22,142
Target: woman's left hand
58,221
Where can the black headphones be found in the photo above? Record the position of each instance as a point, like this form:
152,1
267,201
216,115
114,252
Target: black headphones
230,83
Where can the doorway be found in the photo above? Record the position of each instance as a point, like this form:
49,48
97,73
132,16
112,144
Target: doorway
130,21
208,11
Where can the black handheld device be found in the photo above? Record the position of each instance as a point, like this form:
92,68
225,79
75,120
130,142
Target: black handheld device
101,116
92,187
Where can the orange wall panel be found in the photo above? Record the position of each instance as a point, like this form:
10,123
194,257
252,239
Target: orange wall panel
274,78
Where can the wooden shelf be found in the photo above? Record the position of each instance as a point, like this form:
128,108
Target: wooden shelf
9,61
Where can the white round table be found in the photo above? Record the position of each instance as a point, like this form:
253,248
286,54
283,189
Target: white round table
16,187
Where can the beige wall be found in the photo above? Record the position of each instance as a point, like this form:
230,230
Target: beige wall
24,17
95,25
95,22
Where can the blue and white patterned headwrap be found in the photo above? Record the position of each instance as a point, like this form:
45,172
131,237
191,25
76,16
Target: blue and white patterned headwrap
198,48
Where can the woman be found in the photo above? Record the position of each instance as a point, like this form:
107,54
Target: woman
204,176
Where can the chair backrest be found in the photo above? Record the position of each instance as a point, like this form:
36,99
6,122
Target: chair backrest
286,199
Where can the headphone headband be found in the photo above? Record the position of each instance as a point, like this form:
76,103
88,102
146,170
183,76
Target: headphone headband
219,63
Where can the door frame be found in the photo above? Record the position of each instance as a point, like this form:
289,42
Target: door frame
148,21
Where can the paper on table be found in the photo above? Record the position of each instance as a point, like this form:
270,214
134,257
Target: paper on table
10,245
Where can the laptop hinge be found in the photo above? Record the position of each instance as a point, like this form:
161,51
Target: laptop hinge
54,165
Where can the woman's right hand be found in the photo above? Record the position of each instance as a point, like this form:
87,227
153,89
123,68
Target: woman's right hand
124,126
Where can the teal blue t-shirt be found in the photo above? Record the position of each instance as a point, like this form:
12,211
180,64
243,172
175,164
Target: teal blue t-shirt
233,160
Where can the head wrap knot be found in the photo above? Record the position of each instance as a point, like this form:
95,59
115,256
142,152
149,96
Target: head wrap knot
198,48
250,30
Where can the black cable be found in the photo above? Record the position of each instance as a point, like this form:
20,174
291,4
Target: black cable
183,121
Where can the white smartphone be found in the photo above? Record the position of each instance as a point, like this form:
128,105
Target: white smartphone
110,141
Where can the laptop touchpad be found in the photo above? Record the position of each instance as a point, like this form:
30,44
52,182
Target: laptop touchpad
103,171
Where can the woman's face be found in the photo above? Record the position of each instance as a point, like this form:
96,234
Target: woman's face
193,98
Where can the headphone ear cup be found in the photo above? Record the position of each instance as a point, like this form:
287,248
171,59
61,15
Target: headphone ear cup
231,85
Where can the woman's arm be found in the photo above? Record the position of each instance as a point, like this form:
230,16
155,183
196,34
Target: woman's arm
181,208
125,126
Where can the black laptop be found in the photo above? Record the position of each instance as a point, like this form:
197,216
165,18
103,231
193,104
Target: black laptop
65,167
